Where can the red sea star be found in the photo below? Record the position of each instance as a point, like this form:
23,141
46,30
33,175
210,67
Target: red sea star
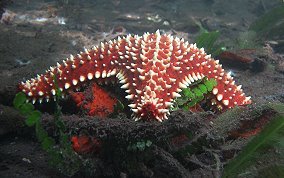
153,69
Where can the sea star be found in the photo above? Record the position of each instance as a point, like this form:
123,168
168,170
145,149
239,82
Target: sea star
153,69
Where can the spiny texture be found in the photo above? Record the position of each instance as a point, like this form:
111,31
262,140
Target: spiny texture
153,69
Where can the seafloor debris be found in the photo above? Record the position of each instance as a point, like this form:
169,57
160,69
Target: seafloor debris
243,59
186,143
7,17
84,144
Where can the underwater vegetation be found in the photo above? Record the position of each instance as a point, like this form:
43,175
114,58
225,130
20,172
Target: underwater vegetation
270,25
267,143
207,40
190,97
60,152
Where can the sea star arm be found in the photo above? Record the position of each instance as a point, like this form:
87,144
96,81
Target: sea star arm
199,65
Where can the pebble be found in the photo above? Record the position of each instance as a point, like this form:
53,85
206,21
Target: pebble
27,160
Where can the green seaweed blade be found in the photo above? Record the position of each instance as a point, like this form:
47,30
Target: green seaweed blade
270,135
270,25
